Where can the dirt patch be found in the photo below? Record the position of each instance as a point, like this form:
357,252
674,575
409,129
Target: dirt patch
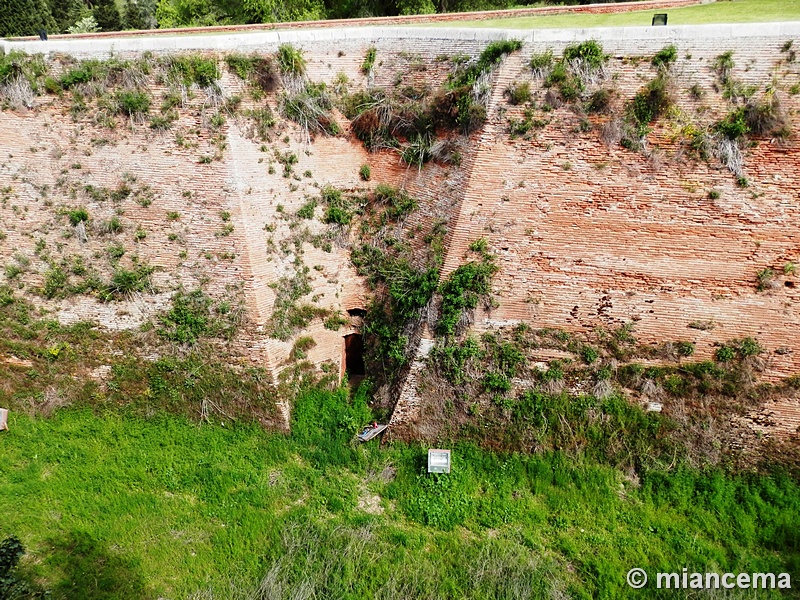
370,503
16,362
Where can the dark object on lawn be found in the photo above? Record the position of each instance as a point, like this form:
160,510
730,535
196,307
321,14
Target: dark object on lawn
660,19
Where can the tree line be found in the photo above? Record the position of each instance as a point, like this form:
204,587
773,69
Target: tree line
29,17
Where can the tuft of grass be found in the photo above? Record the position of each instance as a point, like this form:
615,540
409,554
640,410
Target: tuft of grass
764,279
600,101
291,60
369,60
125,282
133,102
307,210
310,108
257,70
590,52
541,63
518,93
191,69
78,215
665,57
335,321
301,346
337,207
55,283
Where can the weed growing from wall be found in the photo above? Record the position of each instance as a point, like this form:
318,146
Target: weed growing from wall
195,315
369,60
646,107
291,60
581,64
463,289
193,69
665,57
258,71
541,63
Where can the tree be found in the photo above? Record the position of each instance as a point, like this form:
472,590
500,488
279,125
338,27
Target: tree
197,13
140,14
68,12
85,25
347,9
416,7
25,17
107,15
268,11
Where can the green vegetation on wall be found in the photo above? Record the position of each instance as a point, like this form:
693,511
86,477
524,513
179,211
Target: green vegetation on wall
414,121
464,287
403,283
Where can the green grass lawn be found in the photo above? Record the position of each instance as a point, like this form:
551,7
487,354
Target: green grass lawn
725,11
120,506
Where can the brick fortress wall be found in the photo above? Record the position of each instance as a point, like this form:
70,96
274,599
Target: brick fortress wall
586,234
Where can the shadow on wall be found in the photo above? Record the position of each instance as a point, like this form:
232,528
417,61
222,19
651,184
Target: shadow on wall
91,571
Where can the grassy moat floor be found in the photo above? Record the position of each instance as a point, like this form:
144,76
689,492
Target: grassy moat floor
116,505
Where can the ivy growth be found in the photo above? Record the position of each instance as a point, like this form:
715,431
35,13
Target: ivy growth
464,288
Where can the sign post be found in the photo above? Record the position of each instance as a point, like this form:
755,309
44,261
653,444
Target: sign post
438,461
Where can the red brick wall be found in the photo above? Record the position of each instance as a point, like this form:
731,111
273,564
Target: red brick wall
622,237
589,235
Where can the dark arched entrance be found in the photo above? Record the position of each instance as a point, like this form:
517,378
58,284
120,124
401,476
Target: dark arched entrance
354,355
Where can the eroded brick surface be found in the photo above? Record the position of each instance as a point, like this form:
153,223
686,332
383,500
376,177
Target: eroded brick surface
586,234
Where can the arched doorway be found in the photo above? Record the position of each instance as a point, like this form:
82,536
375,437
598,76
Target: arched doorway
354,357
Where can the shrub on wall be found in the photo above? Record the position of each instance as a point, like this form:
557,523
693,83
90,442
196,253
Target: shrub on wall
734,125
665,57
766,118
133,102
291,60
518,93
257,70
463,289
589,52
541,63
651,102
194,315
189,69
310,108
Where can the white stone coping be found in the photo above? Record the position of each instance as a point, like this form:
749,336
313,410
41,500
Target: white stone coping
261,39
